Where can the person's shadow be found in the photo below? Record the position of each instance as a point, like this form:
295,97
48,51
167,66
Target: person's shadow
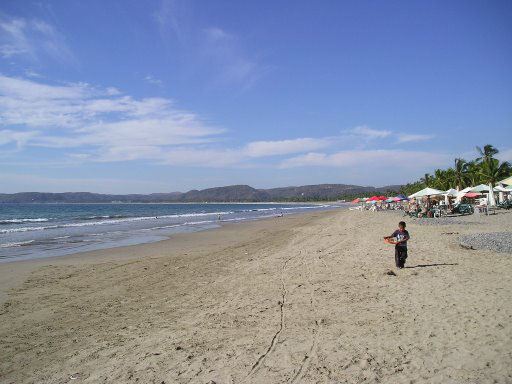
431,265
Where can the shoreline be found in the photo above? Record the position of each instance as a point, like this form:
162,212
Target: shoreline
305,298
13,272
136,227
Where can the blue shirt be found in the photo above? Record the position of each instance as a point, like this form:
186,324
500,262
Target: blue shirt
401,235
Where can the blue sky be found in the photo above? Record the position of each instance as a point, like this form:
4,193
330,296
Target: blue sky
163,95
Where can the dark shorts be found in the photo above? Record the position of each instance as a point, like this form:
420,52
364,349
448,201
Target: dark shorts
400,256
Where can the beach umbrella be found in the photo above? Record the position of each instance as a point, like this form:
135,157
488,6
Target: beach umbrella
426,192
373,198
450,193
507,181
382,198
401,197
471,195
491,202
481,188
461,194
355,201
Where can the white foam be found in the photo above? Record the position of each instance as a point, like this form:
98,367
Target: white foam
16,244
19,221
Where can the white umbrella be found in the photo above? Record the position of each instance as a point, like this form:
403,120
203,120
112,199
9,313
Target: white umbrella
491,202
507,181
480,188
425,192
451,192
461,194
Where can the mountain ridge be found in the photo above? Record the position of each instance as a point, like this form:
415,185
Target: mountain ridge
230,193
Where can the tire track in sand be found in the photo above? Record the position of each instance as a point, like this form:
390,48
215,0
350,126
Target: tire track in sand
284,292
311,354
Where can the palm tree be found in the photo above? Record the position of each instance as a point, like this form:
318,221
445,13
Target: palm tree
492,171
427,180
487,153
442,179
473,173
460,171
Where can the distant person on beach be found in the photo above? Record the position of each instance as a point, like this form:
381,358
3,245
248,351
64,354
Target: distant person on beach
401,235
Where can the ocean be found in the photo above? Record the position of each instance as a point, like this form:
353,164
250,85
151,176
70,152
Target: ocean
29,231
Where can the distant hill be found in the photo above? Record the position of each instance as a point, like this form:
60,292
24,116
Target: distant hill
232,193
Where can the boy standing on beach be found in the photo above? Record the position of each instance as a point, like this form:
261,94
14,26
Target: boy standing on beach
401,236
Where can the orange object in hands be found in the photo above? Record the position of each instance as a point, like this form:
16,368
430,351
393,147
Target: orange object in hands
390,241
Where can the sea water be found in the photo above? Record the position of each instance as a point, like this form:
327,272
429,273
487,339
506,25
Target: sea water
29,231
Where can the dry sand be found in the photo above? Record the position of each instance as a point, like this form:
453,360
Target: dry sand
303,299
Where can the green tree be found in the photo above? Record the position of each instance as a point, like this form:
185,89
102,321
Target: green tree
460,171
493,171
443,179
427,180
472,175
486,153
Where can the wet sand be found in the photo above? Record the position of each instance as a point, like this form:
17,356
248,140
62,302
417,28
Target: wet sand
299,299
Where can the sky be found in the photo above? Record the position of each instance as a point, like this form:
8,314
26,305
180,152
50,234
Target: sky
168,95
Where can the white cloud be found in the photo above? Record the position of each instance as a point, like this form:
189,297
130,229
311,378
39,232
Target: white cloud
391,159
103,124
172,20
283,147
18,138
406,138
76,115
370,133
217,34
231,62
31,38
150,79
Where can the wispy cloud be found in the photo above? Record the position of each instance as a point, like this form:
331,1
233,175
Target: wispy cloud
380,158
232,62
75,115
90,124
150,79
285,147
407,138
17,138
103,124
172,19
32,39
369,133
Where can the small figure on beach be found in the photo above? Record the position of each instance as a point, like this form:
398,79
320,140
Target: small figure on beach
401,235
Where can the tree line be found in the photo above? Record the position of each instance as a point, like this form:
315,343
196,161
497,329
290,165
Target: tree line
484,169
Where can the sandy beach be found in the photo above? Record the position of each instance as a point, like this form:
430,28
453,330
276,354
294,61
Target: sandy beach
298,299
